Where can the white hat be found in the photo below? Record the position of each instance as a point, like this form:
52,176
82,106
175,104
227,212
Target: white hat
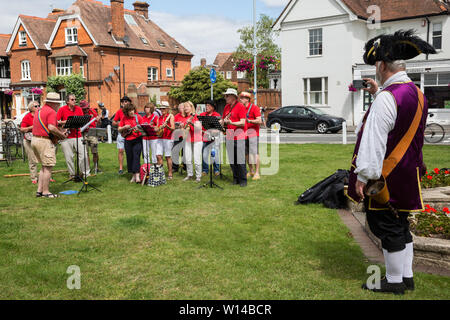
164,104
231,91
53,97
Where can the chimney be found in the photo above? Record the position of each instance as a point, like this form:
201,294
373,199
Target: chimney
118,20
141,7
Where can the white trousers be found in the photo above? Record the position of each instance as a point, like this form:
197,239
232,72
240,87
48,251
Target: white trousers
69,148
154,147
194,149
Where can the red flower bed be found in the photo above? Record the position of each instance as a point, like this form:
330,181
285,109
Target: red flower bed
432,223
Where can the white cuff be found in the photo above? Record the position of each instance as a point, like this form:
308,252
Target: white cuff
362,179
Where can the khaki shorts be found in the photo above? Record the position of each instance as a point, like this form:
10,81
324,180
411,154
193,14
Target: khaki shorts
93,143
44,150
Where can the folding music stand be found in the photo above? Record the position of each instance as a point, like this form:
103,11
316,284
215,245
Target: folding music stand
149,131
211,123
98,133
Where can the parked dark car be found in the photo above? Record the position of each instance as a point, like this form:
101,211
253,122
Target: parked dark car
303,118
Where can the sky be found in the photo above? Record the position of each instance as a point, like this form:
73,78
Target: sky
204,27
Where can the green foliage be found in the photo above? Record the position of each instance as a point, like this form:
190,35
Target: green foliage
196,87
74,84
436,178
265,45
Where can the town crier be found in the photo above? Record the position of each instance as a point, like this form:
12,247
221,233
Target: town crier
388,153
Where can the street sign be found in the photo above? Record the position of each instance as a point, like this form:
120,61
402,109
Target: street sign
213,76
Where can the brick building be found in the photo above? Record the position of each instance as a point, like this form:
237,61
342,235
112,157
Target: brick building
224,64
117,51
5,78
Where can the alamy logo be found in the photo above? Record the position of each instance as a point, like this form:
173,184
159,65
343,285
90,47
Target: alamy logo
373,282
74,281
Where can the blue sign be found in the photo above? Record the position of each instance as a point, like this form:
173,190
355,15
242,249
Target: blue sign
213,76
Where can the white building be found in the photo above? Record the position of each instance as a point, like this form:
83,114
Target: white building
323,45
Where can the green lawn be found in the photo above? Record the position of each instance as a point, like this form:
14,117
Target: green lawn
179,242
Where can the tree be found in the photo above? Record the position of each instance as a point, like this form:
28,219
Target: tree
74,84
196,87
266,48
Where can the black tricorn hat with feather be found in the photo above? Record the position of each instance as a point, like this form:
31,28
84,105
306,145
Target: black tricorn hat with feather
402,45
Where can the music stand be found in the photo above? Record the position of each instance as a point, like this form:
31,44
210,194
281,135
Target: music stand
147,131
211,123
98,133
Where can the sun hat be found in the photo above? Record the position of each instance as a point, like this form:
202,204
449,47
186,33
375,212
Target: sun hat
246,94
164,105
231,91
53,97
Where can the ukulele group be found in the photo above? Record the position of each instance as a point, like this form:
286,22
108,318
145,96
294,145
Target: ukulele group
161,133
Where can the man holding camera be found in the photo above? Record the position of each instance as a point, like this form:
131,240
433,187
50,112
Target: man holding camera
389,151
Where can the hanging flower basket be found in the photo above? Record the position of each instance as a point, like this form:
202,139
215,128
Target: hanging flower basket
37,91
9,92
244,65
351,88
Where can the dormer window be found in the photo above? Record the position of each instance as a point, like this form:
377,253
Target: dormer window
71,35
22,38
161,43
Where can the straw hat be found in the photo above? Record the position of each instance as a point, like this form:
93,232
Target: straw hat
245,94
53,97
231,91
164,105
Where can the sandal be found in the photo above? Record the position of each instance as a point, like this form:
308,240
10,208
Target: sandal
38,194
50,195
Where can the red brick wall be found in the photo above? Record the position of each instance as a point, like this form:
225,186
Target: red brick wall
60,37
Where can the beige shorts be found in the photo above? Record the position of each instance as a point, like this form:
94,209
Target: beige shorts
44,150
92,142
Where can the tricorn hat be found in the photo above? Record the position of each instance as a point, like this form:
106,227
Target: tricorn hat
402,45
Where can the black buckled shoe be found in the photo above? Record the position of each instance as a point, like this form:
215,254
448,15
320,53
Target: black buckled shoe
409,283
386,287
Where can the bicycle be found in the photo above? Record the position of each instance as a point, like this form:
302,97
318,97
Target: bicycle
434,132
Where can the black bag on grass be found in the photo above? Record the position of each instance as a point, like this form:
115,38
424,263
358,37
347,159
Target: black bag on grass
329,192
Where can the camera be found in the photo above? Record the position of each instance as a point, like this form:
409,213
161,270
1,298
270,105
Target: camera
359,84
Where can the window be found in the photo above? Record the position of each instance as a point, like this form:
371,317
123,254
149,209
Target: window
64,67
316,91
436,90
240,74
130,20
367,100
288,110
223,74
229,74
152,74
144,41
26,70
82,67
22,38
161,43
437,36
71,35
169,72
315,42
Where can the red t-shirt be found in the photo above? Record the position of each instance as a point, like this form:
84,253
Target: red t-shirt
206,114
167,134
64,113
93,114
132,122
195,135
253,112
237,113
48,116
27,121
119,115
153,121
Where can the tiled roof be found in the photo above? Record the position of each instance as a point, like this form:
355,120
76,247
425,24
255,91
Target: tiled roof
40,29
68,51
97,18
398,9
221,58
4,39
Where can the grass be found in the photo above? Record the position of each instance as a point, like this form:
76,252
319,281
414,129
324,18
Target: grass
180,242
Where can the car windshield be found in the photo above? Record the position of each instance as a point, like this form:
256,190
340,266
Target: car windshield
318,111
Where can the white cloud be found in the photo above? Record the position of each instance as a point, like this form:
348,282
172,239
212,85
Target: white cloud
203,35
275,3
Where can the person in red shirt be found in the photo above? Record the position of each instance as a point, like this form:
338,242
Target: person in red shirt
233,118
180,120
133,140
91,141
69,146
208,143
167,123
193,144
44,125
151,142
253,117
26,127
125,101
